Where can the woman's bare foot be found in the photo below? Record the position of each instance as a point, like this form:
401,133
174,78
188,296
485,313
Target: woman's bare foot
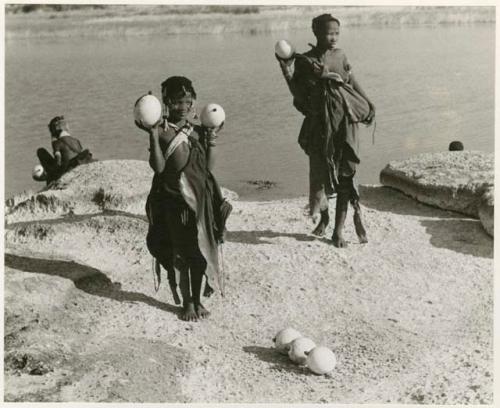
323,223
360,229
338,239
340,216
189,313
201,311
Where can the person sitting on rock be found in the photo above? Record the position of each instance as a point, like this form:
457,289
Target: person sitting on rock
68,152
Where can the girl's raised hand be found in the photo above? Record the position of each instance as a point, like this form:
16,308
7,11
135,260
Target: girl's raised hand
211,134
140,126
150,130
220,127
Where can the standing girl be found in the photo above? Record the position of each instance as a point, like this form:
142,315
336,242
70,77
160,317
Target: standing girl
185,207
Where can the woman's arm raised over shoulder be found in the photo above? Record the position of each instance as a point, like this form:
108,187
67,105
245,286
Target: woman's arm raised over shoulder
298,85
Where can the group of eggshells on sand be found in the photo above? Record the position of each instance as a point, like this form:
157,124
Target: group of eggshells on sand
303,351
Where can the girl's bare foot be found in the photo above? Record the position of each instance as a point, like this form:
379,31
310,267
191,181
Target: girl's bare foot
201,311
340,216
189,313
338,240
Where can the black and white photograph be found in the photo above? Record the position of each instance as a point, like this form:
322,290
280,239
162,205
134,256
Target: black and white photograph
249,203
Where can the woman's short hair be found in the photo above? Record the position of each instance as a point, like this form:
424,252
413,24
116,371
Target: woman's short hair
319,23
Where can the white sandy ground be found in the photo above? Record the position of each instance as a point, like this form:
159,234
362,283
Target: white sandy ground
409,315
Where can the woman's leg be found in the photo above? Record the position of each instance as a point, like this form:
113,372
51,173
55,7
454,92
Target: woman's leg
347,192
343,196
318,202
358,222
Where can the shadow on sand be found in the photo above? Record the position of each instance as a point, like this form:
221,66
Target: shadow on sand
85,278
388,199
280,362
449,230
466,236
258,237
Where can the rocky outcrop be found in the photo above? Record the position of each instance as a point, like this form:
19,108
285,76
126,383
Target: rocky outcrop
486,211
110,185
453,181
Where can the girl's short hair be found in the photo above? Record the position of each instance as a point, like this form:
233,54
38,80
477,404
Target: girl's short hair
319,23
176,87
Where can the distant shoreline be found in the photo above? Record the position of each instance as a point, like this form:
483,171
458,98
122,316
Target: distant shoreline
139,20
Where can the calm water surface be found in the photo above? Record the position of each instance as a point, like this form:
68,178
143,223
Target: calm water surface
430,86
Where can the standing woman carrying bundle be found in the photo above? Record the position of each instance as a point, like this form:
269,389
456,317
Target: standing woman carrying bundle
326,92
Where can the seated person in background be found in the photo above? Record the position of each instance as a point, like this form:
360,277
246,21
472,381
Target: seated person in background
456,146
68,152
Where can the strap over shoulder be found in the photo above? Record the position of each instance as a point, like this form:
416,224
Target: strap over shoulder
180,138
